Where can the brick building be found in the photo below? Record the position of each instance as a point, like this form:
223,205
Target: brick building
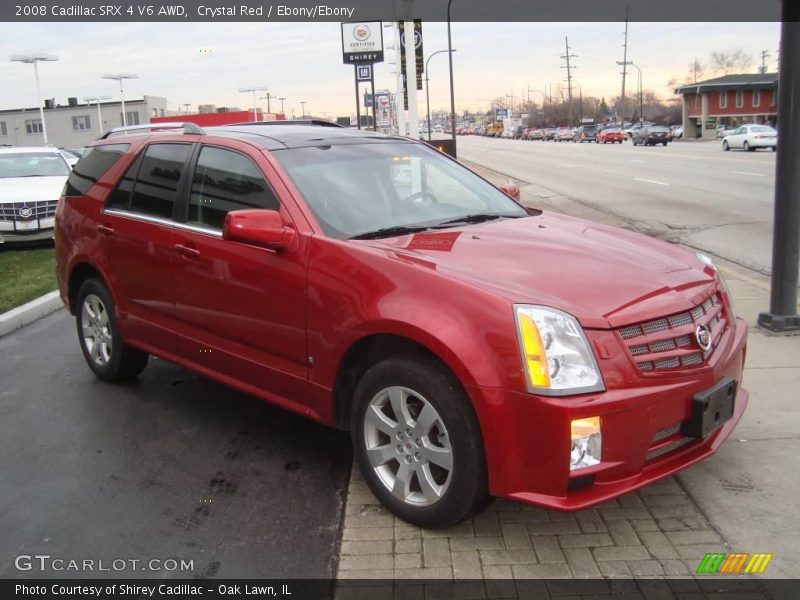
728,101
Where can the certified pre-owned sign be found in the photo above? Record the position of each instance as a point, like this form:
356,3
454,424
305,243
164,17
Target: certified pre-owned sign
362,42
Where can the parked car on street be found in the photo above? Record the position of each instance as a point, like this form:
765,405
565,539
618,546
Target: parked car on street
650,135
584,133
751,137
472,347
609,135
31,180
549,134
677,131
564,134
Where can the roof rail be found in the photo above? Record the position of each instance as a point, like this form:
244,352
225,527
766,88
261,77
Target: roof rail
317,122
187,126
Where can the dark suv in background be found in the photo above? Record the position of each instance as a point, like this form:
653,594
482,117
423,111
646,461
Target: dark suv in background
584,133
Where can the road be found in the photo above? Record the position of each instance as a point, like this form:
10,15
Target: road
689,192
169,466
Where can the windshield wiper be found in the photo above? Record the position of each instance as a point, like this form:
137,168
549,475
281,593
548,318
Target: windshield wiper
390,231
476,218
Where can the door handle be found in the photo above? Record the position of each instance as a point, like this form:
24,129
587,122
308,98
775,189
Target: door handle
187,251
105,229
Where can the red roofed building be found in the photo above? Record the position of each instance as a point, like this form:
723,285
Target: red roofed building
728,101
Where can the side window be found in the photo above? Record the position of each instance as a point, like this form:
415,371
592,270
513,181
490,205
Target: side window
121,196
224,181
92,166
156,187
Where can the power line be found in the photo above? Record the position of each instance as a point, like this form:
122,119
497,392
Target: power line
764,56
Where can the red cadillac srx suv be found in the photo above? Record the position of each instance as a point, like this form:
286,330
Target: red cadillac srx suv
472,347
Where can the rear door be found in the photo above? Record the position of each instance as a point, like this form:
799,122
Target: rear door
241,307
136,240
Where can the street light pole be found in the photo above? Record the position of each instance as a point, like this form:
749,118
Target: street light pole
783,313
119,77
427,88
303,106
97,99
35,59
282,99
630,63
452,89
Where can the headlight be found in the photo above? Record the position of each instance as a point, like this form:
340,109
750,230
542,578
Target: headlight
709,262
556,356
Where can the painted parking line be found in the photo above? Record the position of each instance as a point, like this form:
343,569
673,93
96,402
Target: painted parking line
569,166
650,181
748,173
637,161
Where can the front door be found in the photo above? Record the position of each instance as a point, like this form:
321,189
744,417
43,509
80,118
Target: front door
242,307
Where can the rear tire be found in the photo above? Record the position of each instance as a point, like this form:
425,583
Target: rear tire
418,443
725,146
107,355
747,147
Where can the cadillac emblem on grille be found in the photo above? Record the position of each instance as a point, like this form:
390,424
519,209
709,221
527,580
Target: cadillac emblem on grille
703,337
25,212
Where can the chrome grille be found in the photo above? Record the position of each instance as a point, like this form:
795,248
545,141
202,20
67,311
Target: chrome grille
669,342
40,209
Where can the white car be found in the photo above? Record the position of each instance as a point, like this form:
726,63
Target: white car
750,137
31,180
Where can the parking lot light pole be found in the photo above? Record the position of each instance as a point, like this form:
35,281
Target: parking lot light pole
35,59
783,315
119,77
303,107
427,88
253,90
97,99
452,89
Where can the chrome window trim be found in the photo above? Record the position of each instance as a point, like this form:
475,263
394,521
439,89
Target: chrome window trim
161,221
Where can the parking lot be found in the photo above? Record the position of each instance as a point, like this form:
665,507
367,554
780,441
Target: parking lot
169,467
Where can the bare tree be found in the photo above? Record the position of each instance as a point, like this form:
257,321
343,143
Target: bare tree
731,61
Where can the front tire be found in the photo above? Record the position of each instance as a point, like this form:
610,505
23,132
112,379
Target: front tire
99,336
418,443
725,146
747,147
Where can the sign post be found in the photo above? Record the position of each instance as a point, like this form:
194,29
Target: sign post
362,47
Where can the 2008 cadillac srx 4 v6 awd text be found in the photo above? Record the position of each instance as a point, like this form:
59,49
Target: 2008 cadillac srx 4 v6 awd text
473,347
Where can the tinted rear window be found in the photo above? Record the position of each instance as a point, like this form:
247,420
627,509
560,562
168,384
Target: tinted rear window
91,167
156,188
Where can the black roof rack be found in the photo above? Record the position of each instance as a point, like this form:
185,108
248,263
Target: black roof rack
317,122
187,127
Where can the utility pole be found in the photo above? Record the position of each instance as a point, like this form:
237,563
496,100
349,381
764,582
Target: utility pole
569,66
624,69
764,56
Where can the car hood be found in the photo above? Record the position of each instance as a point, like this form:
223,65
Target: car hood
30,189
604,276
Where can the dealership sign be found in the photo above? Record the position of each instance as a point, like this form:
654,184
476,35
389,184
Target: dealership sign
362,42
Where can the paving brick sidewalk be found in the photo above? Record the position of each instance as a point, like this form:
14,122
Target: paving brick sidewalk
655,532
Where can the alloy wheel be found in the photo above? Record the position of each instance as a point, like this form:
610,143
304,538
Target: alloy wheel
408,446
96,329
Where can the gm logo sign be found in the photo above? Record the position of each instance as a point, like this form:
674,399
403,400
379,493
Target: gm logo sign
733,564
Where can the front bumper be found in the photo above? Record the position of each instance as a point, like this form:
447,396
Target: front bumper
527,437
9,234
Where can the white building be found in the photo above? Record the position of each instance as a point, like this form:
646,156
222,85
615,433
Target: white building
74,124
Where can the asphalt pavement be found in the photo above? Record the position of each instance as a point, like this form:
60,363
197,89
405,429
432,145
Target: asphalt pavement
690,193
172,466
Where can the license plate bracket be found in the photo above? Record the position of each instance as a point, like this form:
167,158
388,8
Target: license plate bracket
711,408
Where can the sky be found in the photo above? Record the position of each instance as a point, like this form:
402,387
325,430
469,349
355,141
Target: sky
207,63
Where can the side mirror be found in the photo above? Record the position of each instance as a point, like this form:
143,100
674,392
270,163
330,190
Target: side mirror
258,227
511,189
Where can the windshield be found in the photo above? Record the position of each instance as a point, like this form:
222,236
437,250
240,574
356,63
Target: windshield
32,164
356,189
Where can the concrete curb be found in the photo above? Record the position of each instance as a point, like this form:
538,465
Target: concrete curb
29,312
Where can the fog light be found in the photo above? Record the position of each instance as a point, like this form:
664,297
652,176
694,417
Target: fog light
587,443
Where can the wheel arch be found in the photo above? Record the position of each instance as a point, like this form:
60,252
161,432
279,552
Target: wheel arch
369,350
80,272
